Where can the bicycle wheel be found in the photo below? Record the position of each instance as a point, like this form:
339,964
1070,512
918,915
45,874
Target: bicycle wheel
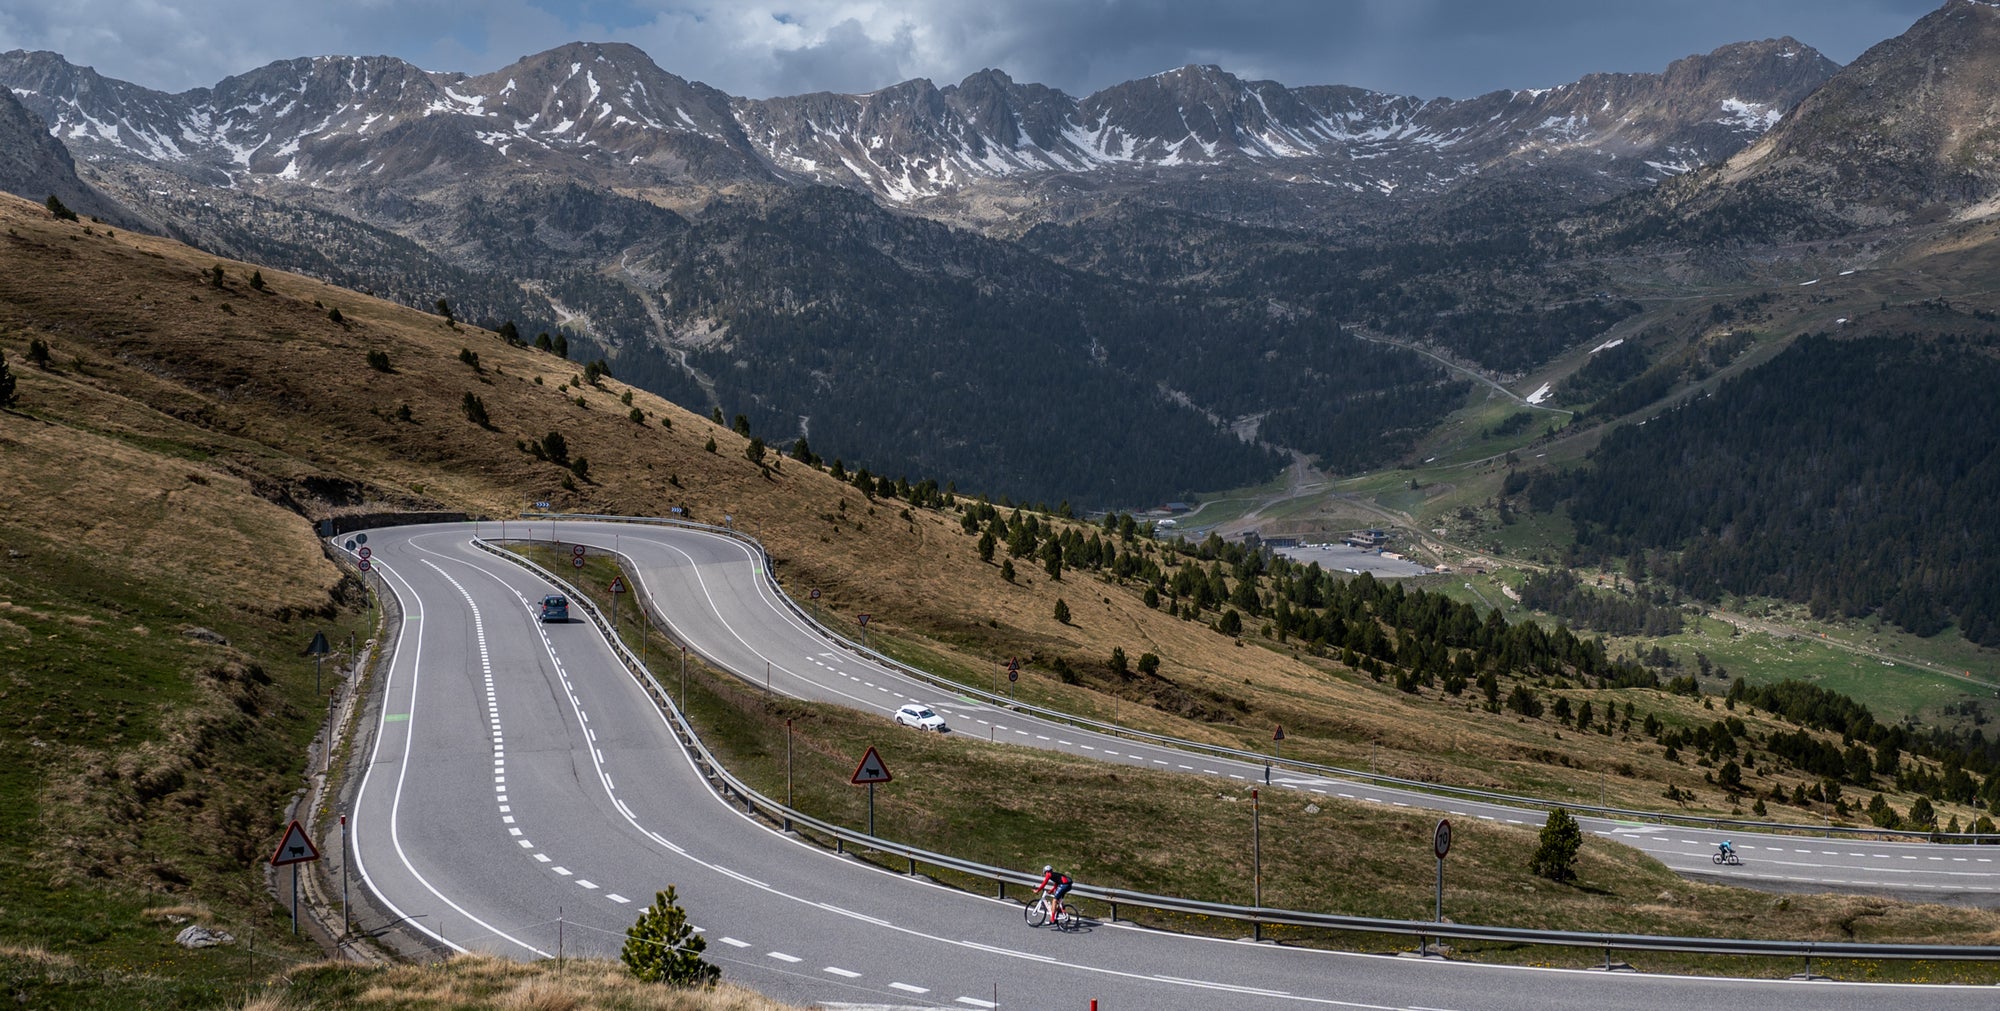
1036,913
1069,920
1718,858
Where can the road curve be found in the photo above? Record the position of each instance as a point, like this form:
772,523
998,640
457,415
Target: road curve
521,787
711,591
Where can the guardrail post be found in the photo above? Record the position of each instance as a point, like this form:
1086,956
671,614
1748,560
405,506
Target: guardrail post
1114,912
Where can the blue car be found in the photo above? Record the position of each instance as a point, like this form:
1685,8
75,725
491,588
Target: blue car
555,607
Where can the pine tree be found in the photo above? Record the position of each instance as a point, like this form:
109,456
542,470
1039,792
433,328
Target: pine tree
57,208
7,396
1062,609
1555,857
38,352
662,948
475,410
986,543
257,280
555,447
1230,624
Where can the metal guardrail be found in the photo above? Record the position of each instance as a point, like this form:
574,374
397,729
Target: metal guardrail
755,802
1259,758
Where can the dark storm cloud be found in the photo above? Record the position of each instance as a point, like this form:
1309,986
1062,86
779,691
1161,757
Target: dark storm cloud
761,48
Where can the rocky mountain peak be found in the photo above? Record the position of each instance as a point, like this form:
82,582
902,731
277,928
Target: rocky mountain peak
1909,131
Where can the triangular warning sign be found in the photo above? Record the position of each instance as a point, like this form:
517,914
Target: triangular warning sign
871,769
295,849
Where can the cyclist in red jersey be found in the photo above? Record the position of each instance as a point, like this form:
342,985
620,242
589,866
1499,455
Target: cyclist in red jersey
1057,884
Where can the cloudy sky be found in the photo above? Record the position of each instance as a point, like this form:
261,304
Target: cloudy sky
758,48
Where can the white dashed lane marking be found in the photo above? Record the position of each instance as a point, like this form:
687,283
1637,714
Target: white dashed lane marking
734,943
843,973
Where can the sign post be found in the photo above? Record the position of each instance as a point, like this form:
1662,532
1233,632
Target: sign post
617,590
1277,739
870,772
1256,862
862,620
576,555
1013,675
293,850
318,650
1440,845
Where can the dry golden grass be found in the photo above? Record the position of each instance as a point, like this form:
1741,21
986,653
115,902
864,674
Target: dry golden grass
36,954
483,981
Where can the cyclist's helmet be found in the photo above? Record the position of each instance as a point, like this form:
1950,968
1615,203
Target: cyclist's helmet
1047,868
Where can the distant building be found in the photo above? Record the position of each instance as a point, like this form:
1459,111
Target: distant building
1178,507
1367,539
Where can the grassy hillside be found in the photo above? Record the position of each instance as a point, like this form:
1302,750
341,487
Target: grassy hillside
159,580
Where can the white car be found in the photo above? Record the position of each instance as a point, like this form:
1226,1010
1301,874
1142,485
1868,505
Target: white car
918,715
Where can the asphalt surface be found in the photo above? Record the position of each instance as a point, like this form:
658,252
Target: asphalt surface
523,795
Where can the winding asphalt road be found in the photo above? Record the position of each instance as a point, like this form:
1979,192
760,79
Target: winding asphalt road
522,793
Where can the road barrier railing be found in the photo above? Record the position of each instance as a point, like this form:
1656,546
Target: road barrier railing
1259,758
754,802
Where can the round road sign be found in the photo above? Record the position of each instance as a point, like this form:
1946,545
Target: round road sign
1441,839
815,593
577,561
577,551
1013,675
365,553
360,538
363,564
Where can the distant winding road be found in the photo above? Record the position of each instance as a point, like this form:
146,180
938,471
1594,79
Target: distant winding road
518,783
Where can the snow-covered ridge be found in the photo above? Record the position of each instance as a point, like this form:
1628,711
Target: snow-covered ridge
315,120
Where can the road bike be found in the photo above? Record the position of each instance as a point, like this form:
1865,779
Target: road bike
1727,858
1037,913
